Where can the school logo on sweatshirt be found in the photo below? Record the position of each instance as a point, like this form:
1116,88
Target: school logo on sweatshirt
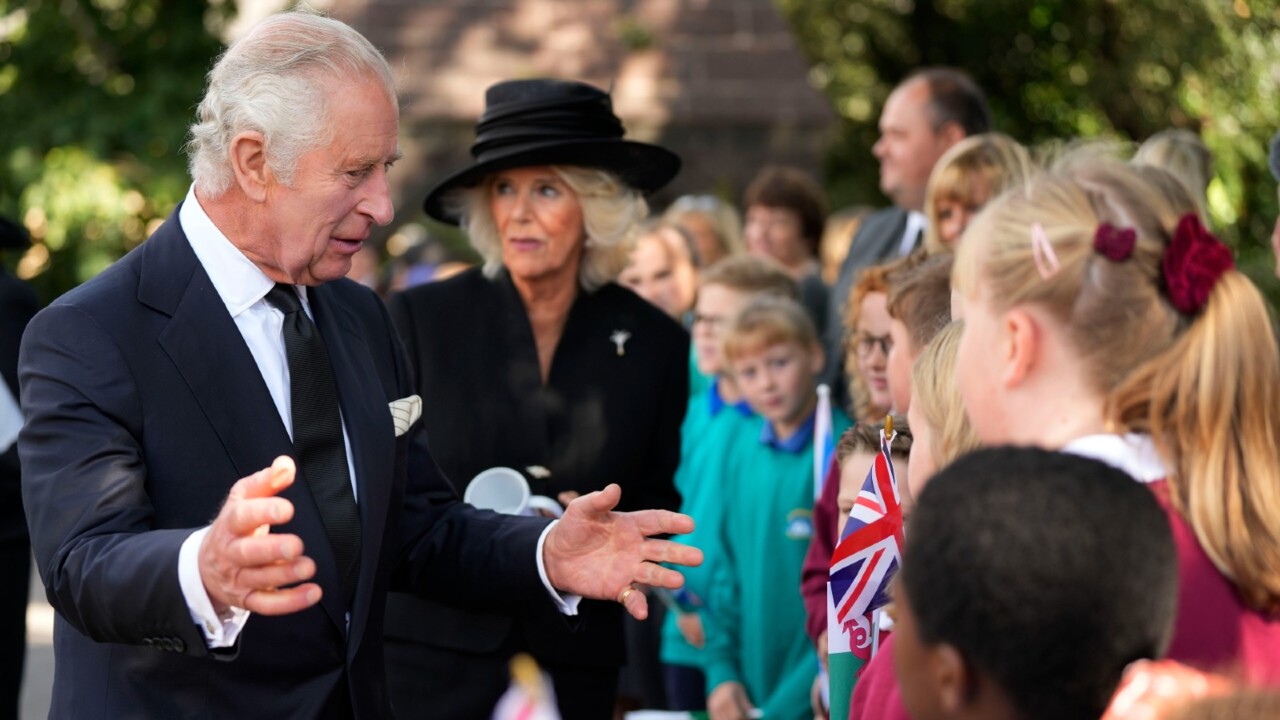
800,524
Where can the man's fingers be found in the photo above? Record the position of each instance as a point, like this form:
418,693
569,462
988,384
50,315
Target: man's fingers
601,501
637,605
658,576
253,551
267,482
272,577
665,551
662,522
282,602
246,516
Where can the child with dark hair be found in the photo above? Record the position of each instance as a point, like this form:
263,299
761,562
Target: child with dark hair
1030,580
785,211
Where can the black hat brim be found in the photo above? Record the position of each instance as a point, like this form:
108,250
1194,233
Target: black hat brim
642,166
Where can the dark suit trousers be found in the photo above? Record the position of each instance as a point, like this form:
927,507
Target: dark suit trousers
428,683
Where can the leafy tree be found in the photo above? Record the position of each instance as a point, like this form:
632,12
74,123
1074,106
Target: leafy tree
1057,69
95,99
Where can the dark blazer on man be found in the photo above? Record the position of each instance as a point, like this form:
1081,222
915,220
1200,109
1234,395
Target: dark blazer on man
878,240
605,415
144,406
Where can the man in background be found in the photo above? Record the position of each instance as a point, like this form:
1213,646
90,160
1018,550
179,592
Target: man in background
927,113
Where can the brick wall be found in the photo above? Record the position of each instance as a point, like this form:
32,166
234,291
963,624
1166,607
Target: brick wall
722,82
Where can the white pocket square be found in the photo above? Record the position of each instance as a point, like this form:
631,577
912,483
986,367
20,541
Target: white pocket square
405,412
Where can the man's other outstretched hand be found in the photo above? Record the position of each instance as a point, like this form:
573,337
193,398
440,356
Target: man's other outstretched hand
245,565
598,553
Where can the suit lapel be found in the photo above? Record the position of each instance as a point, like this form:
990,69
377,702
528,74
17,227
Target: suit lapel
367,418
208,350
888,241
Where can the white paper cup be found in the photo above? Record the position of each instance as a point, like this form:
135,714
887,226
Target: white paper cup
543,505
500,489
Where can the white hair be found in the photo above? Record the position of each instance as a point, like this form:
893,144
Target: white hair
275,81
611,213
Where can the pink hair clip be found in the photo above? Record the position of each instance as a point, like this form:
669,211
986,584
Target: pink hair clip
1042,252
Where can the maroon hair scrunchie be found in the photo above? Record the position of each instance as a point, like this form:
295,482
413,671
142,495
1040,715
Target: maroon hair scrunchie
1115,244
1192,264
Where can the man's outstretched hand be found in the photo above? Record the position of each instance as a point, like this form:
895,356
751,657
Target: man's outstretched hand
597,553
242,563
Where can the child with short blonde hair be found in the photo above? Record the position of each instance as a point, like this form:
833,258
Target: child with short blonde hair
716,421
757,652
970,174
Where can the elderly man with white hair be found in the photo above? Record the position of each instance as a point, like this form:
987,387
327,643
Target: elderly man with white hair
223,470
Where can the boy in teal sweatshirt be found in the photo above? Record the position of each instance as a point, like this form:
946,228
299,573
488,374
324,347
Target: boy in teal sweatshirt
717,420
757,653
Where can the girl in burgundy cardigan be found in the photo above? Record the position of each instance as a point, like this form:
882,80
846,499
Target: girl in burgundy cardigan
1102,318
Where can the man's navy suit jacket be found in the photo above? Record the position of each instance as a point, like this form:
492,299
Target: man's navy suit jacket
143,407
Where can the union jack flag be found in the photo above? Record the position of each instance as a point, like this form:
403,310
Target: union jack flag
867,556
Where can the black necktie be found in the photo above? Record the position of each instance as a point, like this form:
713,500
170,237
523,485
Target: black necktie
317,434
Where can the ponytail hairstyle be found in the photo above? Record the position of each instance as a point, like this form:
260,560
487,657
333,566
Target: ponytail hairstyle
1177,341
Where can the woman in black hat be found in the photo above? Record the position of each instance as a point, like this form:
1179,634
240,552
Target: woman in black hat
539,362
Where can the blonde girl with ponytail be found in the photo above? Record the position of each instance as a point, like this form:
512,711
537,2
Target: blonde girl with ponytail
1102,318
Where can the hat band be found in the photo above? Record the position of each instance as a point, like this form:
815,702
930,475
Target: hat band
546,125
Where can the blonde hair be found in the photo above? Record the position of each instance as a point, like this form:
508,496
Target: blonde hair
1204,387
768,320
722,216
752,275
611,212
933,382
1185,156
991,162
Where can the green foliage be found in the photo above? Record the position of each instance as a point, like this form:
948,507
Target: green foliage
95,99
1065,69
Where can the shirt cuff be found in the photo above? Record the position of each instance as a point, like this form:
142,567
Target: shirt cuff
566,604
219,632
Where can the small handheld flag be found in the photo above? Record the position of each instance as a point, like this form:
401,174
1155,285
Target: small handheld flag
824,442
865,560
530,696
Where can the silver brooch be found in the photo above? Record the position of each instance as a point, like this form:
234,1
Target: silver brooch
620,338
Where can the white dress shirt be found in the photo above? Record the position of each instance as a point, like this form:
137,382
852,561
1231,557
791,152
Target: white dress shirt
916,223
243,288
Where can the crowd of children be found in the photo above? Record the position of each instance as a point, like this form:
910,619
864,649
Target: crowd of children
1086,310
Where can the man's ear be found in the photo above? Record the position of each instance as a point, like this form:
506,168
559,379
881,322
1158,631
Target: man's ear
249,163
1021,344
952,677
952,133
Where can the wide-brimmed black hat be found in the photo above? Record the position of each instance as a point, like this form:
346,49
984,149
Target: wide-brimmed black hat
554,122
